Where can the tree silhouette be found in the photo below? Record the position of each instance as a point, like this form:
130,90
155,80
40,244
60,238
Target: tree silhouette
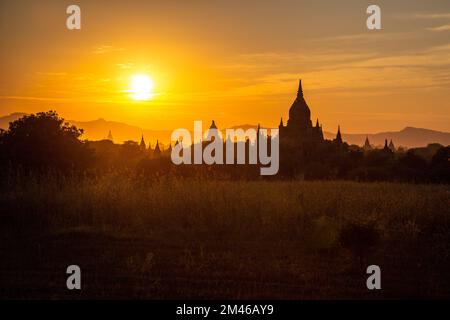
440,165
44,141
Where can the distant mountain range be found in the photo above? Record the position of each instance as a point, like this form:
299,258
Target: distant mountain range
4,121
98,129
408,137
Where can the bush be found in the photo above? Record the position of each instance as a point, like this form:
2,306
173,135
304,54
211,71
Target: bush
43,141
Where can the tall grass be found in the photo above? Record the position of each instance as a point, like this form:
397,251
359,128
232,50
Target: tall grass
223,209
267,238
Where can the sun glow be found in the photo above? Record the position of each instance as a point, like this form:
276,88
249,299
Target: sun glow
141,87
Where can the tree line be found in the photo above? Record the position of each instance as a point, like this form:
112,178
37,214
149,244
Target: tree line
43,142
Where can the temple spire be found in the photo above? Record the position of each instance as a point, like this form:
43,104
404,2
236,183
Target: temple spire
339,136
212,132
367,143
300,89
157,151
386,147
142,144
391,146
281,122
258,131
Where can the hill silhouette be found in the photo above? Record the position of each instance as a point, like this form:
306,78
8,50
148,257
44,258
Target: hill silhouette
410,137
99,129
5,120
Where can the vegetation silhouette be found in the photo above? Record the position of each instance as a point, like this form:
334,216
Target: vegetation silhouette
44,141
190,231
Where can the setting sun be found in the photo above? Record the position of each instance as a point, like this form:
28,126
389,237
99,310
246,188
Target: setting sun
141,87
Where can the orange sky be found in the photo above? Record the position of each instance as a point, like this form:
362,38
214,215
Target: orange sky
236,62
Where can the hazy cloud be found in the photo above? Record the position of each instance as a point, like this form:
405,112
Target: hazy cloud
430,16
106,49
440,28
52,74
353,72
127,65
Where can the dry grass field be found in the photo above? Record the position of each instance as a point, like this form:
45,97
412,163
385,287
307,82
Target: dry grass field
135,238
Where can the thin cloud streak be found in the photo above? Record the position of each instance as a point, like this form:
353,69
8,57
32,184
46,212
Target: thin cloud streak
106,49
440,28
426,68
430,16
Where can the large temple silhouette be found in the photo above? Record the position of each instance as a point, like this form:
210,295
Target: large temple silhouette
299,128
299,138
303,149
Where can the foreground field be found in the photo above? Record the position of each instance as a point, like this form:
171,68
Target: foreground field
134,238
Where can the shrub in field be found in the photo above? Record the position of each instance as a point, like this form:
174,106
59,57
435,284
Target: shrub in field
360,239
44,141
